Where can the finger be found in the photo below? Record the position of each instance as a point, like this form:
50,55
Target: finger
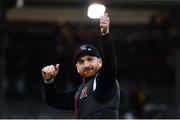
44,73
105,14
52,70
48,69
104,25
104,22
45,70
57,67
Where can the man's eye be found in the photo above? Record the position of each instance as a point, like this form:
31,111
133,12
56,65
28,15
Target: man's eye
90,59
80,62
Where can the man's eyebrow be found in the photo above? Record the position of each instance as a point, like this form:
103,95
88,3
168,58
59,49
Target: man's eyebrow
80,60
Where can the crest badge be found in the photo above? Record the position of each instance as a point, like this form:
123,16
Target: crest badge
83,93
83,47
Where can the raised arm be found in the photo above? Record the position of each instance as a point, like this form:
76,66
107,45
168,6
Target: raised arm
106,77
107,48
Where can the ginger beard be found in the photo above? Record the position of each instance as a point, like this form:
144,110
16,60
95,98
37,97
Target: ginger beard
88,66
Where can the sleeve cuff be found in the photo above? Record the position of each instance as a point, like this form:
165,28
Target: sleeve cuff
49,81
103,34
106,36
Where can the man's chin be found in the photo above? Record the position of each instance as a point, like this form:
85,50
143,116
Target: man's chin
88,75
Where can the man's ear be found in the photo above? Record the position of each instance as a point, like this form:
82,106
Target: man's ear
100,62
77,68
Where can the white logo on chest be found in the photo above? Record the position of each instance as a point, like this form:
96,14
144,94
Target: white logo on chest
83,93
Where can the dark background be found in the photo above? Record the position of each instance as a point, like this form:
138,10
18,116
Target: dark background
147,52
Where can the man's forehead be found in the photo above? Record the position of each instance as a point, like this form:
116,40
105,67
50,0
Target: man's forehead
86,57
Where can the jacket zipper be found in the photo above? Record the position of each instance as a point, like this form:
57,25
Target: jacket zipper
75,104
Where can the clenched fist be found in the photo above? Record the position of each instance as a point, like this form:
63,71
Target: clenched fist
50,72
104,24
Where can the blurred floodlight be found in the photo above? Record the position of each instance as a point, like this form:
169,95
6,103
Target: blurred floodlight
95,11
19,3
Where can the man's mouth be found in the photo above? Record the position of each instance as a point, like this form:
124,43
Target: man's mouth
87,70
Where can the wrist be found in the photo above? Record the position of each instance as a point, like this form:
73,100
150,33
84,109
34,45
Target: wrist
105,32
49,81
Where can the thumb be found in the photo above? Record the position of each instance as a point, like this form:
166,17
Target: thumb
57,67
105,14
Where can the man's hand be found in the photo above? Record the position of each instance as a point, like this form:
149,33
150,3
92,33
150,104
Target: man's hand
50,72
104,24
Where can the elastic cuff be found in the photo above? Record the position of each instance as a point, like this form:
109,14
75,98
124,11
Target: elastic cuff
105,33
49,81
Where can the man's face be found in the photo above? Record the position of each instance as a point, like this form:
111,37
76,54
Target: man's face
88,66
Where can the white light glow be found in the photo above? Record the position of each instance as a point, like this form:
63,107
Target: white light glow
19,3
95,11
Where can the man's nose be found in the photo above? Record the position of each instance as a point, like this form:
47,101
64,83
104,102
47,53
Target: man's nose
86,64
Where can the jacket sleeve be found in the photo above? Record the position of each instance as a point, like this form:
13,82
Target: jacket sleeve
107,74
58,99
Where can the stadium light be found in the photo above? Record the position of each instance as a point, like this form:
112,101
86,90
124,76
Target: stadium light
95,11
19,3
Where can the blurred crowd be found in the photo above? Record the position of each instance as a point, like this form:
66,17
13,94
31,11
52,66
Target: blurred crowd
145,61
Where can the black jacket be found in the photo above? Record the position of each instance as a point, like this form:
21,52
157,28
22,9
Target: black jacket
98,96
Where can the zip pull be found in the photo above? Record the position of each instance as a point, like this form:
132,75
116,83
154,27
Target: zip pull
83,81
76,107
76,100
